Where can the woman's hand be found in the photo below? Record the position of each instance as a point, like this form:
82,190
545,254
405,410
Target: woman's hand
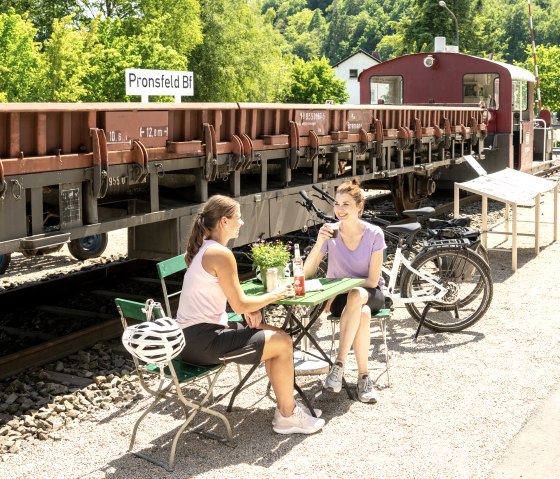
253,319
325,232
283,291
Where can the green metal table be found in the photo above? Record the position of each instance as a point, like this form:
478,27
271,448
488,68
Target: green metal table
305,360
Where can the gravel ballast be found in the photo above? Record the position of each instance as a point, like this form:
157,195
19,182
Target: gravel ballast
455,403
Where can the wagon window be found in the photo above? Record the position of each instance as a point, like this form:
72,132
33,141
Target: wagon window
479,87
386,88
519,98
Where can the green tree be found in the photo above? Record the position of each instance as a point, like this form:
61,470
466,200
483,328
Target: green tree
180,22
302,32
548,61
66,62
242,57
41,12
20,60
112,49
315,82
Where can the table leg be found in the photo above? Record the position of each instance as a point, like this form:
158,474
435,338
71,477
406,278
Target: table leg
537,223
306,362
305,333
240,386
514,239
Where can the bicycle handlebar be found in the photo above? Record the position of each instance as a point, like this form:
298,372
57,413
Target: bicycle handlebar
324,194
309,205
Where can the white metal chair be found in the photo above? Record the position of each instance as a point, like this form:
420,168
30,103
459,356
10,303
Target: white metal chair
154,344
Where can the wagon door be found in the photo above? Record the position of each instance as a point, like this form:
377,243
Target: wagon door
523,132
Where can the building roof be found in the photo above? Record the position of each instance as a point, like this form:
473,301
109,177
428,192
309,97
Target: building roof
377,59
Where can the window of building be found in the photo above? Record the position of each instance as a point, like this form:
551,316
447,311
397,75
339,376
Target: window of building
386,89
353,73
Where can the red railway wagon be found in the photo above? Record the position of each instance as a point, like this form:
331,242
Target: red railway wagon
515,138
70,173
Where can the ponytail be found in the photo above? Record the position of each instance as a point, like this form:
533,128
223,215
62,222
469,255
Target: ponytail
198,234
206,220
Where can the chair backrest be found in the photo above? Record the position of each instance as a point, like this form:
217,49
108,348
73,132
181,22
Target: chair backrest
165,269
136,311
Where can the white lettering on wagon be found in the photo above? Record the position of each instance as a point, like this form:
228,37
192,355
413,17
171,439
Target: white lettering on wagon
310,116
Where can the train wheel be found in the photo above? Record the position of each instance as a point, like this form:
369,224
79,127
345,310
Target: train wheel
89,246
4,262
402,199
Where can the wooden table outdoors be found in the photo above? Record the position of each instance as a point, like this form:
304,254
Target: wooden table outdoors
305,360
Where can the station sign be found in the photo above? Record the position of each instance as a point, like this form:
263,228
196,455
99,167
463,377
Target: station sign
158,82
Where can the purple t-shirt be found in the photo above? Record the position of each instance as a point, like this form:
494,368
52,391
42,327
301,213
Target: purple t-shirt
343,263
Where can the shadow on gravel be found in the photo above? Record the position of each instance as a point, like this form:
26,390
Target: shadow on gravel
500,261
255,442
26,265
402,340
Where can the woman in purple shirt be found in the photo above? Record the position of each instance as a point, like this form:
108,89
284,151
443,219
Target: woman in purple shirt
355,250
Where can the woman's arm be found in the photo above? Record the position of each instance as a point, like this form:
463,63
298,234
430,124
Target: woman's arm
374,272
220,262
316,255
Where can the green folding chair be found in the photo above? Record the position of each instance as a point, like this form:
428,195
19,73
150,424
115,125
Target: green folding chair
145,343
166,269
170,267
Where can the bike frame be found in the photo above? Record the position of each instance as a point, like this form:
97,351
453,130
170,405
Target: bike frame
391,288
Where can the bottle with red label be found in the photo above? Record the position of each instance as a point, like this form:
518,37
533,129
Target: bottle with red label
299,277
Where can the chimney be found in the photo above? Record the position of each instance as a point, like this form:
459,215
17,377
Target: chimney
376,56
439,44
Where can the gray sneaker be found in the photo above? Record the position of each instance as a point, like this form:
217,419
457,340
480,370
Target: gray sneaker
366,391
299,422
334,378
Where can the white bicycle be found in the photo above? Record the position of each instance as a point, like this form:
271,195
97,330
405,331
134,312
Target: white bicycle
446,286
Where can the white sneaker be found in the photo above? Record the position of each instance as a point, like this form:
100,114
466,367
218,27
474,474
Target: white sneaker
334,378
299,422
366,390
318,412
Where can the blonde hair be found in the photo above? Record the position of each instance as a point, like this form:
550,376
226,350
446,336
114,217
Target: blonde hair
352,188
206,220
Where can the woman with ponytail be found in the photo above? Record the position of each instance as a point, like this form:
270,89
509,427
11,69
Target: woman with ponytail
210,282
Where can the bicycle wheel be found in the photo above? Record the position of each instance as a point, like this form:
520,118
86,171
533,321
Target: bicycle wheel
469,288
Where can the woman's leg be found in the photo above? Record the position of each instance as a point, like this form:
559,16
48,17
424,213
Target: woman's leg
350,321
279,361
362,340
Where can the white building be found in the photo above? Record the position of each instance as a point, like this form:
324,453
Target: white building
349,69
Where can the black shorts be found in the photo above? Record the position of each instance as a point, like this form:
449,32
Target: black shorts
208,344
376,301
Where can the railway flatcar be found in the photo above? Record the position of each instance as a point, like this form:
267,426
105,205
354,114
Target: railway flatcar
515,138
70,173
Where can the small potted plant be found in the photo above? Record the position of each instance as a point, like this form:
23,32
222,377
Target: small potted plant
270,254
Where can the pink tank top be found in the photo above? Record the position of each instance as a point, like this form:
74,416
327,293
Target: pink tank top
202,299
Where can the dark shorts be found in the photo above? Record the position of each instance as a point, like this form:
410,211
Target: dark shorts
208,344
376,301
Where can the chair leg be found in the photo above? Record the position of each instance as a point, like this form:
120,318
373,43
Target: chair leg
160,394
333,348
383,326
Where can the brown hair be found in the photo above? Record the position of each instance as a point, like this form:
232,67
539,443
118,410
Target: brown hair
206,220
352,188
